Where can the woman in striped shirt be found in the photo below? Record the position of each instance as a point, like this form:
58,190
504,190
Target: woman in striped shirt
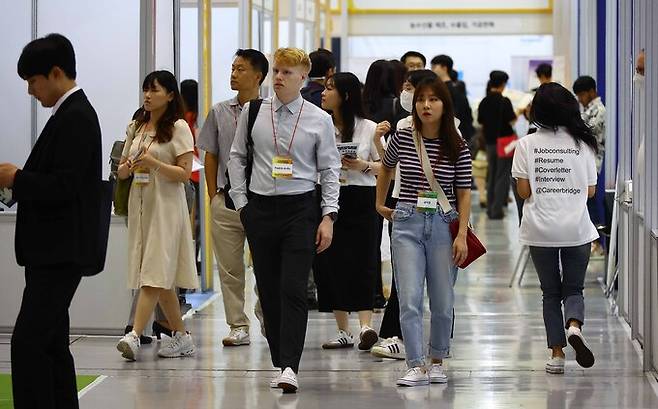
423,248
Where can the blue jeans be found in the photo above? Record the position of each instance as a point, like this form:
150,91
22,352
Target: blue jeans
422,251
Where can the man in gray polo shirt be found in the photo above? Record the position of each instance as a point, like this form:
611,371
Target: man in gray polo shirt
293,144
248,72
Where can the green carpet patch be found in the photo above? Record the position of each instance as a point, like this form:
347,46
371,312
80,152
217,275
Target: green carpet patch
6,398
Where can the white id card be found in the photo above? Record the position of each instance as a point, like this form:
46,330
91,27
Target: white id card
142,176
281,167
427,202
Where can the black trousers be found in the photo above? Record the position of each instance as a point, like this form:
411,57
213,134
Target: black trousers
499,178
281,233
40,341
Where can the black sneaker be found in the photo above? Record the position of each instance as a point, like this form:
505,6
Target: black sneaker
143,340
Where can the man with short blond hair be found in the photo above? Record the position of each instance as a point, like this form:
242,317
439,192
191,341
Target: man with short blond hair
291,143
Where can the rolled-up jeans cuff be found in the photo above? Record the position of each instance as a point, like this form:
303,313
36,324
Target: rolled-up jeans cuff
438,353
416,363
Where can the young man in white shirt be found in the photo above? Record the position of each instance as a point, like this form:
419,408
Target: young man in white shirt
248,72
291,144
594,115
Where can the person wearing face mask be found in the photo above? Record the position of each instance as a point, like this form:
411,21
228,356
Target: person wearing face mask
350,274
292,144
158,155
423,248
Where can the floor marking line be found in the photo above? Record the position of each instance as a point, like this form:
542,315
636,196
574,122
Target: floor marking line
92,385
201,307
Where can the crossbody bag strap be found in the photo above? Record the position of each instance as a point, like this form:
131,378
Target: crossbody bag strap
429,174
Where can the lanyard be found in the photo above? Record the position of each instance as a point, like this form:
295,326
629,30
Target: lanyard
420,138
142,141
292,138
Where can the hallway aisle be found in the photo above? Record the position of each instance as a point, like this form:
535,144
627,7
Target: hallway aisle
498,359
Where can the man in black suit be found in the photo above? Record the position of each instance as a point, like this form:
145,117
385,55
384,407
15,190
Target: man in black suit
57,224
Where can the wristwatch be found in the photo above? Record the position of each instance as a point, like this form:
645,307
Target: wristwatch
333,216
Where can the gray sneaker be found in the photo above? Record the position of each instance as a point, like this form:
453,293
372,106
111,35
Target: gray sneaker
237,337
181,345
129,345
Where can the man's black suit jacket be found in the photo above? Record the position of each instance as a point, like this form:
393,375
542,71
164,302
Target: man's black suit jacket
59,192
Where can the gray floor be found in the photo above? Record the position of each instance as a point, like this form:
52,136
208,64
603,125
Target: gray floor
498,357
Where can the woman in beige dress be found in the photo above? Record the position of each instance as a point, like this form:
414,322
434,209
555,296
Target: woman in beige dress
158,155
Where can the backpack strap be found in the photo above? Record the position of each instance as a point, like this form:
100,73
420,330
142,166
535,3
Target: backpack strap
254,107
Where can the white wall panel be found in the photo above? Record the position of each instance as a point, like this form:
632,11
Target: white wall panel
468,52
107,58
164,35
15,138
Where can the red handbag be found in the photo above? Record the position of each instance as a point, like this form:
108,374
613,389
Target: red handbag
475,247
505,146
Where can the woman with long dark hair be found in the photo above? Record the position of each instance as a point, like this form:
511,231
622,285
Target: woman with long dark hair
158,156
422,245
349,262
382,105
555,169
496,115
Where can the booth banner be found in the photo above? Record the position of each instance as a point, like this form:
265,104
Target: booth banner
449,6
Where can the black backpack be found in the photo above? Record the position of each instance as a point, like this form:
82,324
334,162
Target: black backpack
254,107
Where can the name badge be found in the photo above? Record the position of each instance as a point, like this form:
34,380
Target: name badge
281,167
427,202
142,176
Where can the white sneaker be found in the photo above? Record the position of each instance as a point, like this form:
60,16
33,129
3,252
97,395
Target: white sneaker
181,345
367,338
237,337
555,365
274,383
129,345
288,381
584,355
389,348
437,375
414,377
342,340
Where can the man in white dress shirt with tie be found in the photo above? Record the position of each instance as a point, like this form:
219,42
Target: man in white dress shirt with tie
293,144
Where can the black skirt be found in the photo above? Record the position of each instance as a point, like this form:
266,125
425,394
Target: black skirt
347,268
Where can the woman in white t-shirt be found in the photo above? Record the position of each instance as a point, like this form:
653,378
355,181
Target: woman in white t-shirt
555,169
348,267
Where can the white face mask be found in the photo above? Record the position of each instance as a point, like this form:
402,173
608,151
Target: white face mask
407,100
638,80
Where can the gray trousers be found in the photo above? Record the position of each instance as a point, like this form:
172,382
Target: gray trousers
499,178
557,289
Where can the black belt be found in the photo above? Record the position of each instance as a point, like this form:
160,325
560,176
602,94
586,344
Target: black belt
282,198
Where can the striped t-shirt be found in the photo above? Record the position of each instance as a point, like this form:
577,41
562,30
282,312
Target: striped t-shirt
450,176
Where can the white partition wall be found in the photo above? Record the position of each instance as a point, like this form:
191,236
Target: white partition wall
164,36
107,58
15,137
633,112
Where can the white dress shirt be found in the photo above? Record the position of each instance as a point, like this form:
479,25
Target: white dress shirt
61,99
364,130
313,152
218,132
